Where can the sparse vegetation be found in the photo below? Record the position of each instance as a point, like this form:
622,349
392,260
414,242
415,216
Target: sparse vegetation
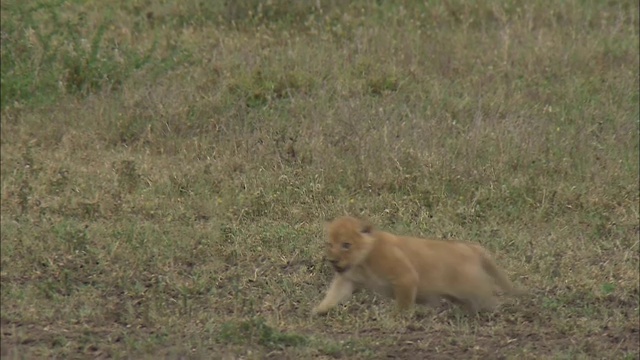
166,167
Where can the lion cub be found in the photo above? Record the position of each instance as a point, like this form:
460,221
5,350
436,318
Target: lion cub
409,269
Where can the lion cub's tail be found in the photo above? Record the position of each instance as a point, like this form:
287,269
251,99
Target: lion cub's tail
492,269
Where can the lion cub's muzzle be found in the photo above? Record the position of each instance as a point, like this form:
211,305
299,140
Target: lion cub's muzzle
337,267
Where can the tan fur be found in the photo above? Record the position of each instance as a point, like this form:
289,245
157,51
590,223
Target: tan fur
409,269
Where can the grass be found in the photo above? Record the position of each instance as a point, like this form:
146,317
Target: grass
166,168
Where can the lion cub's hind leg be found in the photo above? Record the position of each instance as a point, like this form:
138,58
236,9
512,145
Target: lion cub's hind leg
477,303
429,300
475,295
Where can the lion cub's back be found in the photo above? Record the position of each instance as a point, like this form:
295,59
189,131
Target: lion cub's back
427,254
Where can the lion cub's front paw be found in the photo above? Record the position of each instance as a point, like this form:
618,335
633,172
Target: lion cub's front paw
319,311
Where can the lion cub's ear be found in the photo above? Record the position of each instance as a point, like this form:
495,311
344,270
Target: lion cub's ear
366,227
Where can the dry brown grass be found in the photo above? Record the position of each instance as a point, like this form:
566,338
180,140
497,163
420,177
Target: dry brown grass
166,169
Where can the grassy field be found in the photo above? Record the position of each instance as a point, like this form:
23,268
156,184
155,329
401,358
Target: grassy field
167,167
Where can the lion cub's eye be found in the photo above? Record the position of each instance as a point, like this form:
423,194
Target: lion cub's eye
346,246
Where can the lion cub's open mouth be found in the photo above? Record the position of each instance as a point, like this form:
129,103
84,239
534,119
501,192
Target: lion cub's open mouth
338,268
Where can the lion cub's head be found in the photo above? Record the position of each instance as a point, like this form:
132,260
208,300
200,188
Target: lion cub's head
349,242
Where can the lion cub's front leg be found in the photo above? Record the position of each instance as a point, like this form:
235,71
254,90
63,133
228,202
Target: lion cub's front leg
340,289
405,294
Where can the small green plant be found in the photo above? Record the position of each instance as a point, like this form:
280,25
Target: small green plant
48,52
258,330
608,288
128,176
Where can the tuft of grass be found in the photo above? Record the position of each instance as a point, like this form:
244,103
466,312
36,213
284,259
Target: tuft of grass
256,330
50,49
166,169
